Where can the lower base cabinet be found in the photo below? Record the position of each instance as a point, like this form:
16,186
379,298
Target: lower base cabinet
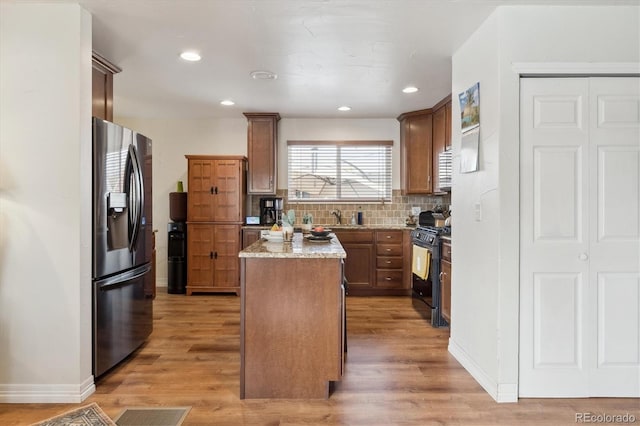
249,236
358,266
378,261
213,263
292,330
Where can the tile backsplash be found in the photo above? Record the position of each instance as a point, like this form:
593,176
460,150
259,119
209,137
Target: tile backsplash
390,213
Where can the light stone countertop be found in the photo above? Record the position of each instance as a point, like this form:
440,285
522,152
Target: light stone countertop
344,227
298,248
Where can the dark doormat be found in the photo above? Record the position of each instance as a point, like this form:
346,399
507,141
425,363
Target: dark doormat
88,415
152,416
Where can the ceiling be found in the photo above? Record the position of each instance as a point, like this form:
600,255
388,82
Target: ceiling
326,53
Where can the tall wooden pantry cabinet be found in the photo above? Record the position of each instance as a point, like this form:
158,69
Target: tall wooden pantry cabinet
215,214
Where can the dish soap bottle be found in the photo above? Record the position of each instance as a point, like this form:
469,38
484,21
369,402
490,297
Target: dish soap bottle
360,219
353,219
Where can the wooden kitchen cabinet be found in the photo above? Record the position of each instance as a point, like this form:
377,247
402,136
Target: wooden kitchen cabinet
376,262
416,156
250,236
102,87
358,266
215,214
262,144
389,255
441,137
216,188
445,281
292,329
212,258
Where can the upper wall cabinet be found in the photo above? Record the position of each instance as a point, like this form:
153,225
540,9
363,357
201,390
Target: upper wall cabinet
102,90
441,137
262,142
216,189
416,156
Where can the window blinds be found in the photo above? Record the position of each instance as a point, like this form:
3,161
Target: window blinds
339,170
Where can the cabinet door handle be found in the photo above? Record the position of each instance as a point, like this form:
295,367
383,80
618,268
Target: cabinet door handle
441,274
388,249
215,254
211,190
388,236
388,278
388,262
210,255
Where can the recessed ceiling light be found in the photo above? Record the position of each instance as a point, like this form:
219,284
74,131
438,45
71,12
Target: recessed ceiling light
190,56
263,75
344,108
410,89
227,102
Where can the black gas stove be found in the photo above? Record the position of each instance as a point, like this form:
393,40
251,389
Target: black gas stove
426,291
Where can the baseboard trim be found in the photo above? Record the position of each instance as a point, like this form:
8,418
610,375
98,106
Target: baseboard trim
47,394
500,393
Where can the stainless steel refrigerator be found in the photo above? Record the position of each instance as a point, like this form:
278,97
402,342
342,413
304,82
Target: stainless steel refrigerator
122,243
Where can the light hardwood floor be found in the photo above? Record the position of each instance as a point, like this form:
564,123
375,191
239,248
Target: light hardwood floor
398,372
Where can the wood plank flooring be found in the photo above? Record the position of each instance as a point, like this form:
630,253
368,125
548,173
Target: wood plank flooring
398,372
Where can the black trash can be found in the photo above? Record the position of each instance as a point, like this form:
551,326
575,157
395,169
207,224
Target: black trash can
177,258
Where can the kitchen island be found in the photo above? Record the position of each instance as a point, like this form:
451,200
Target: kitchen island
292,318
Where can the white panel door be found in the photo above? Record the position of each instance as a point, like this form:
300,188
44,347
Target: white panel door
614,255
554,233
580,229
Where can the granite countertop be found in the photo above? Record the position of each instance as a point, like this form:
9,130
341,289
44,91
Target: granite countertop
341,227
298,248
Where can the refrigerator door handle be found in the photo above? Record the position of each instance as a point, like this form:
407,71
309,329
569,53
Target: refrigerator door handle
122,279
136,196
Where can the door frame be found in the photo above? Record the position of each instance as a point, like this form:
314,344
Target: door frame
508,393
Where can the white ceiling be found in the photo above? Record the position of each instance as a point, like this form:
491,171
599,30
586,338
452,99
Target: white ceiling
326,53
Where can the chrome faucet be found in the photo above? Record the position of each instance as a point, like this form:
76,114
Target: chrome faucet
338,215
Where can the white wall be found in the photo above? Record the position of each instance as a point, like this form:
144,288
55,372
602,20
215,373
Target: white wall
512,35
474,244
45,207
172,139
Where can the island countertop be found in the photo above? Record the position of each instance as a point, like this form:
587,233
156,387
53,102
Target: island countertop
298,248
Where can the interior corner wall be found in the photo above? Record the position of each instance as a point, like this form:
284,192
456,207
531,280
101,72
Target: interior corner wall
475,201
45,224
511,35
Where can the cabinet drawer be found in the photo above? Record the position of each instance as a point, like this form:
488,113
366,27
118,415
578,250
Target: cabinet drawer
388,279
354,236
388,250
383,262
389,237
446,251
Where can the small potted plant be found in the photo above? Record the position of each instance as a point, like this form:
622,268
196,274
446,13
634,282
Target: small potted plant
307,221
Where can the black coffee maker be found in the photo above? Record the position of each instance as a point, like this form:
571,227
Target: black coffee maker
270,211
